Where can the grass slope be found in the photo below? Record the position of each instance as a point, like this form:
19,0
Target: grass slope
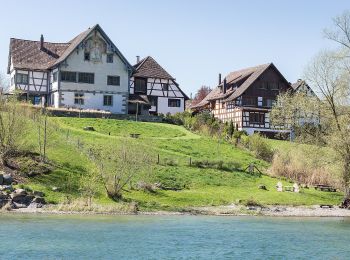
175,146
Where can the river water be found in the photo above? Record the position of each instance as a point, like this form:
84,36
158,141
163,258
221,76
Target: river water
172,237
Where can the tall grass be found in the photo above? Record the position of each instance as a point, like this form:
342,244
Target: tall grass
306,164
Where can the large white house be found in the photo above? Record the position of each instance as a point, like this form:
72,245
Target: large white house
153,90
88,72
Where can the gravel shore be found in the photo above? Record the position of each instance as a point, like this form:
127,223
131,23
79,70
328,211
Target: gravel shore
230,210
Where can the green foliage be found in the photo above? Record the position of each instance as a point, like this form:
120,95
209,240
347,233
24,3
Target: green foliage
221,181
259,146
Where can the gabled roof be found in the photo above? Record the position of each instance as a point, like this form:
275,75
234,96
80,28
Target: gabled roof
247,75
149,68
28,55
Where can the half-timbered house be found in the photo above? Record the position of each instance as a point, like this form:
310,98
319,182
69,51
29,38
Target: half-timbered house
153,90
88,72
246,97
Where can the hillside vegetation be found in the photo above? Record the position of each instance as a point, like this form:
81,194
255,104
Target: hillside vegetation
193,170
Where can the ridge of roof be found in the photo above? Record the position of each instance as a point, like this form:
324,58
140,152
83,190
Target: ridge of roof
250,73
150,68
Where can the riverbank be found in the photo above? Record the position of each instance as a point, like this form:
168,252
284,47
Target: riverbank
230,210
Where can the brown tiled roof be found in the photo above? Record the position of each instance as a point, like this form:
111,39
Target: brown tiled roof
73,44
149,68
255,73
297,84
248,75
28,55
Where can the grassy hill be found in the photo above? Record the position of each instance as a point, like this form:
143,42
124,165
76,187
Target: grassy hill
216,176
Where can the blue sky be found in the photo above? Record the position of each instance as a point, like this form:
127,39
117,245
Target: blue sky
192,40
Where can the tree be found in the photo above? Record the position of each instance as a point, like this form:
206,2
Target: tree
119,166
89,186
230,130
202,92
324,121
40,118
12,125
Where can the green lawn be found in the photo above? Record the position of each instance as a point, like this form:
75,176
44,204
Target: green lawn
175,146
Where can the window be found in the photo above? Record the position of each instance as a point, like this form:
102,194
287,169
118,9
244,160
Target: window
68,76
249,101
256,118
165,87
110,58
21,78
274,85
108,100
54,76
113,80
86,78
260,101
172,102
269,102
79,98
263,85
87,56
140,85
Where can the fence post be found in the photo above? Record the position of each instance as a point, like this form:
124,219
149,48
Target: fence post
190,161
158,159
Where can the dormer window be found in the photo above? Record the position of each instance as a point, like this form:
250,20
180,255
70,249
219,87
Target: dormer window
110,58
87,56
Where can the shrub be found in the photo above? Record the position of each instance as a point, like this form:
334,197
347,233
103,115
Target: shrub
258,145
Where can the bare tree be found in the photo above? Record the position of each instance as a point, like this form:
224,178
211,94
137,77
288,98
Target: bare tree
325,74
119,166
340,31
202,92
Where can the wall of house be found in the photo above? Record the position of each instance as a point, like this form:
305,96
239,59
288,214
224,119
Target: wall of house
37,82
256,90
154,88
93,101
76,63
164,108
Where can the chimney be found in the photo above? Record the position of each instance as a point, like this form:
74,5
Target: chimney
137,59
219,78
224,87
41,42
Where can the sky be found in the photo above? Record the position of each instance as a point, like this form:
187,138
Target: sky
193,40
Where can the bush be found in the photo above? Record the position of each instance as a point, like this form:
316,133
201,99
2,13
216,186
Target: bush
259,147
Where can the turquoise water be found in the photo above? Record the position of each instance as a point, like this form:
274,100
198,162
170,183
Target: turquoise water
172,237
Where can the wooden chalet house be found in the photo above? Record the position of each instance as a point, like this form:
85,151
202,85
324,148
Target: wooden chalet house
245,97
88,72
153,90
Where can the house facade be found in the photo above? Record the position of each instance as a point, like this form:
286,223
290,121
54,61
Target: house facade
153,90
88,72
246,97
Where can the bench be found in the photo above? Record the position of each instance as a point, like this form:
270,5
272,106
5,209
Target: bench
288,188
322,187
134,135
